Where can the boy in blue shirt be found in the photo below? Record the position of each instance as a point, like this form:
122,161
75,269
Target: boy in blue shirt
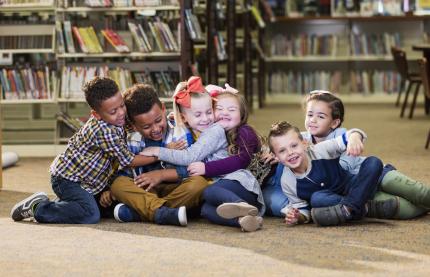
80,174
312,177
155,192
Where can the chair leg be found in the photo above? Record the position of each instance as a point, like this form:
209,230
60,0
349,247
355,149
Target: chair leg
428,140
426,104
405,100
402,88
414,101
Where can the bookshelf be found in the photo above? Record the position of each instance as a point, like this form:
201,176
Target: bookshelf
358,58
33,119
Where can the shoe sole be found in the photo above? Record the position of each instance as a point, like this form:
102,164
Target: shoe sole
115,213
182,216
22,202
251,223
233,210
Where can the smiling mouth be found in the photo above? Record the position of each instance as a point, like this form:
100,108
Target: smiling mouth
293,160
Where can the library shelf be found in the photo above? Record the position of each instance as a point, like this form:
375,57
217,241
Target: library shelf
119,9
323,58
82,100
27,101
116,54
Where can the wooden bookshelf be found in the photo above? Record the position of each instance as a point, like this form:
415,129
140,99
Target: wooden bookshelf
118,9
35,109
362,45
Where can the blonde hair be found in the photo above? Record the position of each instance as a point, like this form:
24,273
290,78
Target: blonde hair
178,109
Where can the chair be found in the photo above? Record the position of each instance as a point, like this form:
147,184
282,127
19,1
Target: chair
425,78
401,63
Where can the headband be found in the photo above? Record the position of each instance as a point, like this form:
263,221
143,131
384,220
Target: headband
214,90
320,92
183,97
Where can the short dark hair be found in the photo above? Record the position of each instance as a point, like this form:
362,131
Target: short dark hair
140,99
281,128
334,102
98,90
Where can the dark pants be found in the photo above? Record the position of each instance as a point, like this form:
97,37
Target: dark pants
225,191
75,205
358,189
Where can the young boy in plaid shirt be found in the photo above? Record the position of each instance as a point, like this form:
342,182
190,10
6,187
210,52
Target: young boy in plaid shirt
80,175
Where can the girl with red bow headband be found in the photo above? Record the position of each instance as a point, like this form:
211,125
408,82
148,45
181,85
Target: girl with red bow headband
237,198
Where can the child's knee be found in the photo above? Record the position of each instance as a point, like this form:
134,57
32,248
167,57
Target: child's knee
374,163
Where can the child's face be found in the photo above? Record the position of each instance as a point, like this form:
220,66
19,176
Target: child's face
290,151
227,112
151,125
200,116
319,121
112,110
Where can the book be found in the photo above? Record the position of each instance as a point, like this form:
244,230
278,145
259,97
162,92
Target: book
69,38
257,16
79,39
115,40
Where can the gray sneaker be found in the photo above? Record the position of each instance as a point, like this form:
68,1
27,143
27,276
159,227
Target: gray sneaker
24,209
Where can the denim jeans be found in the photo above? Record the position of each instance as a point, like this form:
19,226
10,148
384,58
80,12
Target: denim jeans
274,198
225,191
76,205
357,191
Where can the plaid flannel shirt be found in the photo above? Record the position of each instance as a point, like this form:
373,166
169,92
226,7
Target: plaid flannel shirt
93,155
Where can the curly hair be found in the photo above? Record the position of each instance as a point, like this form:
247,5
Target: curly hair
98,90
140,99
335,104
281,128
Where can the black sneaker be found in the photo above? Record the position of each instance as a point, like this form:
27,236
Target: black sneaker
171,216
124,213
330,216
384,209
24,209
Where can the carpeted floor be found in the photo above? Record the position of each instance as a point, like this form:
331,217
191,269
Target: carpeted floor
377,247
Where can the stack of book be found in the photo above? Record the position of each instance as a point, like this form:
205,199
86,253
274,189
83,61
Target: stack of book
26,42
153,35
115,40
373,44
98,3
27,83
304,45
219,43
193,26
74,77
17,3
73,123
374,81
87,40
304,82
163,81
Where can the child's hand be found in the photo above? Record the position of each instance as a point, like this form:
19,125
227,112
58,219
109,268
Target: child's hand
171,116
150,152
178,145
196,169
355,145
106,199
268,157
292,217
149,180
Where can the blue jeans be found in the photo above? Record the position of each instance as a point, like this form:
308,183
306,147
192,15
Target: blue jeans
76,205
357,191
274,198
225,191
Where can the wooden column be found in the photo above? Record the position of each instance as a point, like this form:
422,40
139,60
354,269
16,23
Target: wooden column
247,48
212,59
231,43
186,43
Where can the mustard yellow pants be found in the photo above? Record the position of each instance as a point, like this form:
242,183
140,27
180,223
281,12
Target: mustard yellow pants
188,194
